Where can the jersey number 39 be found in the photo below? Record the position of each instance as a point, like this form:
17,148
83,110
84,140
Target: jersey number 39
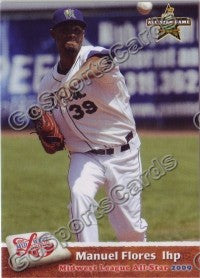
87,107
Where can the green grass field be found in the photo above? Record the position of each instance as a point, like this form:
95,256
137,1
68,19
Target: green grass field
35,195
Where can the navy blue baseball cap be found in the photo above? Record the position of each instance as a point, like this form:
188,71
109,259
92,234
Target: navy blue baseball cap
68,15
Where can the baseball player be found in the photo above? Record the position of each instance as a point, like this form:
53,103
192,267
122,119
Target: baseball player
98,130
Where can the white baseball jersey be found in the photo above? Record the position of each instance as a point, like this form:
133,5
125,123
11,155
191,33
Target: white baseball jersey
101,117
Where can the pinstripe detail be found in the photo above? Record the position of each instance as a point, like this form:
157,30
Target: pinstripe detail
55,78
78,128
71,201
72,212
140,170
68,111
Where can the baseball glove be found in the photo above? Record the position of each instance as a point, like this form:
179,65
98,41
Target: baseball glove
47,130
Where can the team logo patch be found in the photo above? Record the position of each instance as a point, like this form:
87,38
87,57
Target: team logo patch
168,23
35,246
69,13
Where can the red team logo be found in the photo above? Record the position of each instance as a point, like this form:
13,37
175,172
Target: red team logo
35,246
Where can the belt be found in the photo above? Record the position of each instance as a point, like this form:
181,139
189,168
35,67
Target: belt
111,150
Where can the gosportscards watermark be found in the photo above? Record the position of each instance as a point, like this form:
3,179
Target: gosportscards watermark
196,261
31,250
117,54
118,195
196,120
158,28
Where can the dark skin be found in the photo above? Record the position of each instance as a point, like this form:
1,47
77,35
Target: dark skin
69,38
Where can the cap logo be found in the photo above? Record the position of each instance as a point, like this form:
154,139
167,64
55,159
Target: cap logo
69,13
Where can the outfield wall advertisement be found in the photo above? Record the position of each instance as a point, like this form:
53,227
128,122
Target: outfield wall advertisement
161,76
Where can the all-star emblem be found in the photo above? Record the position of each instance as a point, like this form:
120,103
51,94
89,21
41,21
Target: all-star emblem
168,23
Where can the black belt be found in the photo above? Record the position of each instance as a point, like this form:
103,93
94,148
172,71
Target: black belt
111,150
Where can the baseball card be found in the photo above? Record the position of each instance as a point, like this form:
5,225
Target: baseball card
100,120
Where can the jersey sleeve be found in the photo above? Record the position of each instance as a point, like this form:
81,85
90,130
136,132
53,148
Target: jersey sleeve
108,77
97,50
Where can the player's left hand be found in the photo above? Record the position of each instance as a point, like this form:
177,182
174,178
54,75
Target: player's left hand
47,130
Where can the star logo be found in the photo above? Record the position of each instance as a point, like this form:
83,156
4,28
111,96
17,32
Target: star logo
168,24
69,13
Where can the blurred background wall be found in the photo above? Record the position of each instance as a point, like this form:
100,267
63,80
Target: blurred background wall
162,78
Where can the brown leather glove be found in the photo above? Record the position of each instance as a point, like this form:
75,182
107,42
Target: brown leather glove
47,130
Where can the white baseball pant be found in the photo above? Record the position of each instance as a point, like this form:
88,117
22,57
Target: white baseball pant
120,174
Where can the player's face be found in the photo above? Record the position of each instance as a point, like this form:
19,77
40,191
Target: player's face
68,37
